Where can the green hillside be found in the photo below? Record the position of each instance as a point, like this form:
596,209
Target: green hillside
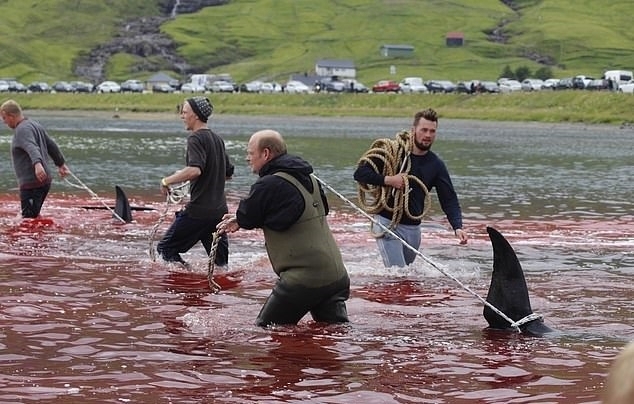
41,40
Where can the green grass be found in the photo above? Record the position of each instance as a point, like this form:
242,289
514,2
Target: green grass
41,40
544,106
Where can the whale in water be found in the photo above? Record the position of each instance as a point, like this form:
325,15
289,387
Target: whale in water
508,292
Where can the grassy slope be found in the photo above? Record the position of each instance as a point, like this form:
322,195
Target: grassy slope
274,38
41,39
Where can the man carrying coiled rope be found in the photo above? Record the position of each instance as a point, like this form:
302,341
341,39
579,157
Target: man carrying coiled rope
207,168
394,179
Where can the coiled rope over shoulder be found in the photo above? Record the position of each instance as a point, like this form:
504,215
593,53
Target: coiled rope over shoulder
394,157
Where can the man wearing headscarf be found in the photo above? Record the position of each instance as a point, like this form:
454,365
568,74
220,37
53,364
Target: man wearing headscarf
207,168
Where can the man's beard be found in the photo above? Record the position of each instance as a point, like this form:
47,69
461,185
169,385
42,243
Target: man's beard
422,146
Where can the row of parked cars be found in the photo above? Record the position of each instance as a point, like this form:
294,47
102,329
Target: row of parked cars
502,85
328,85
108,86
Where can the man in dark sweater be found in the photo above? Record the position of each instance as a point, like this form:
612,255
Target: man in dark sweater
31,147
207,168
425,166
291,208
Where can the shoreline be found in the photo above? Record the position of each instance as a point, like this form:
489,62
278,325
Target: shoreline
286,120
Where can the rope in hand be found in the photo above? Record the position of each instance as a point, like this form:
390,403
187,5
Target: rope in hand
175,195
514,324
215,239
81,185
393,156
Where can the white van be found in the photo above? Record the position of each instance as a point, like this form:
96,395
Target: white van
618,76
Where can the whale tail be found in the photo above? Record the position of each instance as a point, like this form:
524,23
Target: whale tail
508,291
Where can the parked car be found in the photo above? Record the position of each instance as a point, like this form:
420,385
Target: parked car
4,86
354,86
490,87
269,87
440,86
82,87
550,84
221,86
627,87
532,84
39,87
598,84
413,85
331,85
564,84
132,86
580,82
192,88
162,88
296,87
467,87
108,87
509,85
251,86
386,86
63,87
16,87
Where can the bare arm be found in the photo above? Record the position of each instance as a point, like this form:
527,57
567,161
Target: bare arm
186,174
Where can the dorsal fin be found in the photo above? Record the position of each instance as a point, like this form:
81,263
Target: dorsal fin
122,205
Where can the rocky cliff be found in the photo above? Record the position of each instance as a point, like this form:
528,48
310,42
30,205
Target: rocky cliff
142,37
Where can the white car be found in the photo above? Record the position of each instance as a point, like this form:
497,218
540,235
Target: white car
251,86
550,84
509,86
532,84
221,86
627,87
270,87
192,88
108,87
297,87
413,85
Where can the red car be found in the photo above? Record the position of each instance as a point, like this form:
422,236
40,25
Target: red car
386,86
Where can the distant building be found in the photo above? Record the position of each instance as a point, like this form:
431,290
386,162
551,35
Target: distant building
397,50
161,78
454,39
339,68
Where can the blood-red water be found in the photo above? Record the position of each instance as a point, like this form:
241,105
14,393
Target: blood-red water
87,316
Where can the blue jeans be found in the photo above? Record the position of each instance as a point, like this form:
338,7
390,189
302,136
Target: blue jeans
392,250
33,199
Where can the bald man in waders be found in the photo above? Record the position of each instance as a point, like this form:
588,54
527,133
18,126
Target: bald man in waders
291,208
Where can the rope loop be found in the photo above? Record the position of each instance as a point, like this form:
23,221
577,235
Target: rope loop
393,155
527,319
175,195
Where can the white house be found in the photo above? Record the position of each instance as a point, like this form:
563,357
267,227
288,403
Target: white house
339,68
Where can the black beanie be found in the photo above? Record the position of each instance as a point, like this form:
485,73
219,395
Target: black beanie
201,106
